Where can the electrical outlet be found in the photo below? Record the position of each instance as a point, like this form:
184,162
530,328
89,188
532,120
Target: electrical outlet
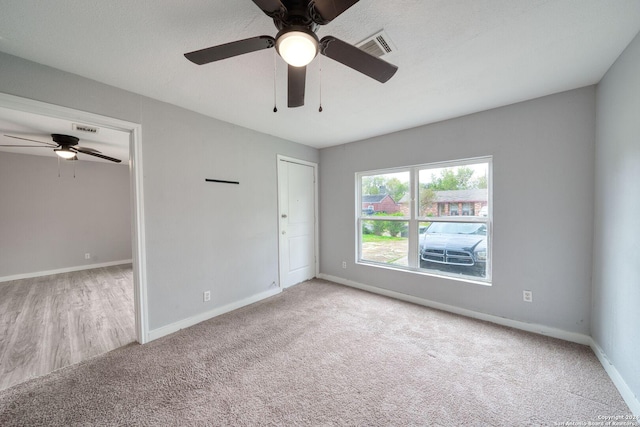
206,296
527,296
344,264
87,256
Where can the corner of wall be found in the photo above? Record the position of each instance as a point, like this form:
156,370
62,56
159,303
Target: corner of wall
625,391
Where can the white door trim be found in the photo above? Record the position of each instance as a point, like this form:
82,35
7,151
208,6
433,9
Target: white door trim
316,246
136,180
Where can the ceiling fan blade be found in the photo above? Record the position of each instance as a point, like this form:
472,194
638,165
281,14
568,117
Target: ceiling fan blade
357,59
93,150
325,11
228,50
102,156
30,146
272,8
296,83
51,144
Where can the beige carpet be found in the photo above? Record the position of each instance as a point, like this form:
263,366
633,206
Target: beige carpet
324,354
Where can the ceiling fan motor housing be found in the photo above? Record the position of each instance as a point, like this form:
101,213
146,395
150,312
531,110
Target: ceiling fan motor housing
298,13
65,140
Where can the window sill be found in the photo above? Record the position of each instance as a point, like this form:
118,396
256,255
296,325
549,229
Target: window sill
439,275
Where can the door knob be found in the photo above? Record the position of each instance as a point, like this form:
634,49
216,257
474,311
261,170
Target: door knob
283,215
284,232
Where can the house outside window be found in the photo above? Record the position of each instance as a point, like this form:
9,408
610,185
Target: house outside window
432,218
381,203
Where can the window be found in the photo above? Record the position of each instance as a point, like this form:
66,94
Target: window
433,218
383,223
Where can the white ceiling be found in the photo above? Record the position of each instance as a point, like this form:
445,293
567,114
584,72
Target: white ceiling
454,57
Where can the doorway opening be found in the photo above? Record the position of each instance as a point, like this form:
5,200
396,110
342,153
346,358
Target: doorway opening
12,108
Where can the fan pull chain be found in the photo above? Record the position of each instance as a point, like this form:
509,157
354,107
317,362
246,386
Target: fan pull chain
275,64
58,166
320,78
74,169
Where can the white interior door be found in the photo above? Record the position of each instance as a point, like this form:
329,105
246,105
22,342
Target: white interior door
297,218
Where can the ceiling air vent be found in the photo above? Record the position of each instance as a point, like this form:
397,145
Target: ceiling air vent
85,128
378,44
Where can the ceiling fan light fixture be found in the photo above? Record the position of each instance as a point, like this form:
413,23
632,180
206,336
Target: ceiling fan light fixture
65,153
297,47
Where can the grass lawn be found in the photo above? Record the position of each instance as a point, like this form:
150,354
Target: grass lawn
372,238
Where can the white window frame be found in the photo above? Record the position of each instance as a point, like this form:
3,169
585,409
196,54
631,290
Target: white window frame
414,219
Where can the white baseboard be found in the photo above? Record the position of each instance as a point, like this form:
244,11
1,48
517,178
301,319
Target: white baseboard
190,321
63,270
627,394
516,324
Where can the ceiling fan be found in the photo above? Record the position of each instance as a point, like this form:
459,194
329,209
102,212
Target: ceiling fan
297,43
65,146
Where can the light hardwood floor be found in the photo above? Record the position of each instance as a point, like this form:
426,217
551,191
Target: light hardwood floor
53,321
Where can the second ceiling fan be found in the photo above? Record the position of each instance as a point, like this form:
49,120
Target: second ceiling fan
297,43
65,146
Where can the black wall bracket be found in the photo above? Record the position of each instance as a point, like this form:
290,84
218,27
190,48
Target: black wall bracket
221,181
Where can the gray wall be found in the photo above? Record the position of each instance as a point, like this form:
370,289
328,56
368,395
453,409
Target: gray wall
616,260
199,236
543,160
49,222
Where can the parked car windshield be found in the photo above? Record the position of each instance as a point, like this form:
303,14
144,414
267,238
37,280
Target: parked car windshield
456,228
